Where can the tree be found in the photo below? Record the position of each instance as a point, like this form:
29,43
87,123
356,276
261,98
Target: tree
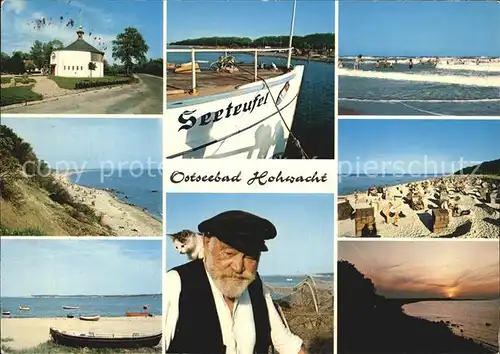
40,52
92,67
130,48
16,63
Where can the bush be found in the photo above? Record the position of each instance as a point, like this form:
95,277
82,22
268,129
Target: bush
88,84
9,191
29,231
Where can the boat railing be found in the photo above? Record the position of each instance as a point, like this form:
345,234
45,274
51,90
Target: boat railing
255,52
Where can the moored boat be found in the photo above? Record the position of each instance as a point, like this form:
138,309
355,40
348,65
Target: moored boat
92,340
70,307
70,315
232,109
24,308
5,313
138,314
90,318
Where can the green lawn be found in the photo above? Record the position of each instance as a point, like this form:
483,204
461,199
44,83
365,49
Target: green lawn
18,94
70,82
5,80
50,347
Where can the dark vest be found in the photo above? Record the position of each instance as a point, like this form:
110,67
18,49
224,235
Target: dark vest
198,328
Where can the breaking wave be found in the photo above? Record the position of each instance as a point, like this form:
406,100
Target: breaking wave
484,67
483,81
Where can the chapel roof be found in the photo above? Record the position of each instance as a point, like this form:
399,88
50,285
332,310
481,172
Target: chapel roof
80,45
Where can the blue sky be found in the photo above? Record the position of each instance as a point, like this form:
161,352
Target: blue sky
88,142
105,19
441,140
304,223
419,28
80,267
240,18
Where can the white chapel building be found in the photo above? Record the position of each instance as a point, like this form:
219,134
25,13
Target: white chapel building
73,61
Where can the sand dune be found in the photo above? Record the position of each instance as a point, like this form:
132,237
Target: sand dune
122,218
30,332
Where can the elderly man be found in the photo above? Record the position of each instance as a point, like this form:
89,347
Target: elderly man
218,304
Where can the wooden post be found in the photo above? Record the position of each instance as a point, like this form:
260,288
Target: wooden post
256,56
193,68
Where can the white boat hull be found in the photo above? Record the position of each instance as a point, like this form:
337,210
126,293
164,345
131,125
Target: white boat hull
243,123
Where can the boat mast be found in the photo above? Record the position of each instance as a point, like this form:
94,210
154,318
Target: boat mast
291,35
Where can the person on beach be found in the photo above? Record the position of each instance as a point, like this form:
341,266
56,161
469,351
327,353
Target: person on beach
410,64
357,62
219,304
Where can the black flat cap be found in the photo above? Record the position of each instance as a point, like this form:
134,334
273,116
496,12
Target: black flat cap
243,231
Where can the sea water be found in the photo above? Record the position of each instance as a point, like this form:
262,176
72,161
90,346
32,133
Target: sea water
403,97
314,116
471,316
105,306
348,184
142,188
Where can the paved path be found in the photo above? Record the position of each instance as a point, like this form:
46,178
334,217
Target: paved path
143,98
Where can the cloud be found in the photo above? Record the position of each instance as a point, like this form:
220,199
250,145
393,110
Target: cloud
68,267
15,6
19,31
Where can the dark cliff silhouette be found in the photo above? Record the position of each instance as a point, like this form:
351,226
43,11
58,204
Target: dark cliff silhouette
369,323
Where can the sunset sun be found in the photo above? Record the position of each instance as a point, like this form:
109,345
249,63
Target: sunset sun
450,293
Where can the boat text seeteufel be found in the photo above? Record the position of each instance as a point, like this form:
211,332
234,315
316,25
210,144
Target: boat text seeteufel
188,121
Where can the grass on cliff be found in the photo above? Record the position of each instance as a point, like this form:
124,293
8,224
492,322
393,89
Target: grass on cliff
52,348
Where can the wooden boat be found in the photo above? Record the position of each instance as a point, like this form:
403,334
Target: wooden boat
92,340
138,314
90,318
23,308
232,110
187,68
70,307
5,313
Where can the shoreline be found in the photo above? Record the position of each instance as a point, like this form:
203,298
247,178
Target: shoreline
269,54
481,221
30,332
123,218
298,57
454,327
348,112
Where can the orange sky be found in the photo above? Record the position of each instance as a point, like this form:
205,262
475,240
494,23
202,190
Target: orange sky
456,269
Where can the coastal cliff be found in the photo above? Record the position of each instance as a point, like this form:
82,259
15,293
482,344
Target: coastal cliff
32,202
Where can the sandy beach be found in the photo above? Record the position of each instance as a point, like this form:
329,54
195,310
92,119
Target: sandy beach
482,220
122,218
30,332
